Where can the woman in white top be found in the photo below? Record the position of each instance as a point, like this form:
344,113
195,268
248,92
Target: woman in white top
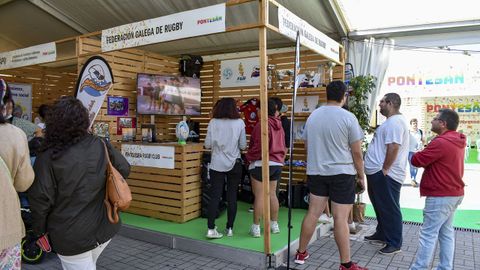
226,137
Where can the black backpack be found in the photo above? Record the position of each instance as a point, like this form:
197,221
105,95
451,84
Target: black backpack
245,193
206,187
190,65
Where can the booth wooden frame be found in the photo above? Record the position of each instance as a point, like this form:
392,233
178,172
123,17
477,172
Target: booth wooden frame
52,80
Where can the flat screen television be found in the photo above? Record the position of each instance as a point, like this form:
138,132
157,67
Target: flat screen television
168,95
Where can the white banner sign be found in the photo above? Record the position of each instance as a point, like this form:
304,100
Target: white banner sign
240,72
22,95
185,24
93,84
38,54
149,155
310,37
434,74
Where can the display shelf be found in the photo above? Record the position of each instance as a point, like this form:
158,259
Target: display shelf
300,114
300,91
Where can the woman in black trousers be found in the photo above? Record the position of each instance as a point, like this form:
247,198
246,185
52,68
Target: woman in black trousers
225,137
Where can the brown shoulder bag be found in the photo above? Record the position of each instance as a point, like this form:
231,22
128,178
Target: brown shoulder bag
118,195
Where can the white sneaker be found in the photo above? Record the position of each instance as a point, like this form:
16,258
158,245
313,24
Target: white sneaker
352,227
214,234
274,227
255,230
325,219
229,232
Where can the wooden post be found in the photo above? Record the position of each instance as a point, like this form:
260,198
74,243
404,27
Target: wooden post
262,37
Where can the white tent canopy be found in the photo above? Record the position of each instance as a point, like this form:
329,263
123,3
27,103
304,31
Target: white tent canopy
424,23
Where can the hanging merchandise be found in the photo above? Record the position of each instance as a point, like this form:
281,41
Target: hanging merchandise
190,65
349,74
250,113
330,65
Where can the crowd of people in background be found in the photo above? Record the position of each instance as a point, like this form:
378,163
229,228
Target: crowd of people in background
66,185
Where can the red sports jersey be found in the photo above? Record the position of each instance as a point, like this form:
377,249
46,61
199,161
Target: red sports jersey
249,110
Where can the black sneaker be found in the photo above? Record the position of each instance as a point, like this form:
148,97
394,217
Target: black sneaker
373,238
389,250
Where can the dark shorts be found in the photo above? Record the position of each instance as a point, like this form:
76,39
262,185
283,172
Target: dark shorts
275,173
340,188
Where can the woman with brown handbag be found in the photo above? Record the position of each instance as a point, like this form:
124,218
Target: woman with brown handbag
67,196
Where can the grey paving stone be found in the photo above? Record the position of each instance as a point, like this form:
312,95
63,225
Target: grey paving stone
124,253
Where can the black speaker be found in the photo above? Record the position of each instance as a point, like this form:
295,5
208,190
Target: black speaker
300,196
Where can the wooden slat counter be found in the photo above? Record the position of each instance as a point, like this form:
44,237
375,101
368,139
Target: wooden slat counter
169,194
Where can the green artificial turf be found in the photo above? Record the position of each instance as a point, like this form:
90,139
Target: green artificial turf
472,157
197,228
469,219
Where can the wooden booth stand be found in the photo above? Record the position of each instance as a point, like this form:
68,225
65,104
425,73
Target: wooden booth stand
158,192
174,194
168,194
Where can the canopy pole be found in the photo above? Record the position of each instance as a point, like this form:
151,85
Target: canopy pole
262,37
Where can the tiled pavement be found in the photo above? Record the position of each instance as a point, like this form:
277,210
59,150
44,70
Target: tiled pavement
324,253
124,253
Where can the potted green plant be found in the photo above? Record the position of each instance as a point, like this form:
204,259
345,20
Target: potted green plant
362,86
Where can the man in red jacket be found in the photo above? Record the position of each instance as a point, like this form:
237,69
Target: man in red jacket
443,186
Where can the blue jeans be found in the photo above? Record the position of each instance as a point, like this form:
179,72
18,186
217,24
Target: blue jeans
437,224
384,193
413,169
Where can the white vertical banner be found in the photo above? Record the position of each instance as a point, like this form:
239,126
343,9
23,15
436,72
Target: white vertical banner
33,55
289,24
22,95
240,72
93,84
197,22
